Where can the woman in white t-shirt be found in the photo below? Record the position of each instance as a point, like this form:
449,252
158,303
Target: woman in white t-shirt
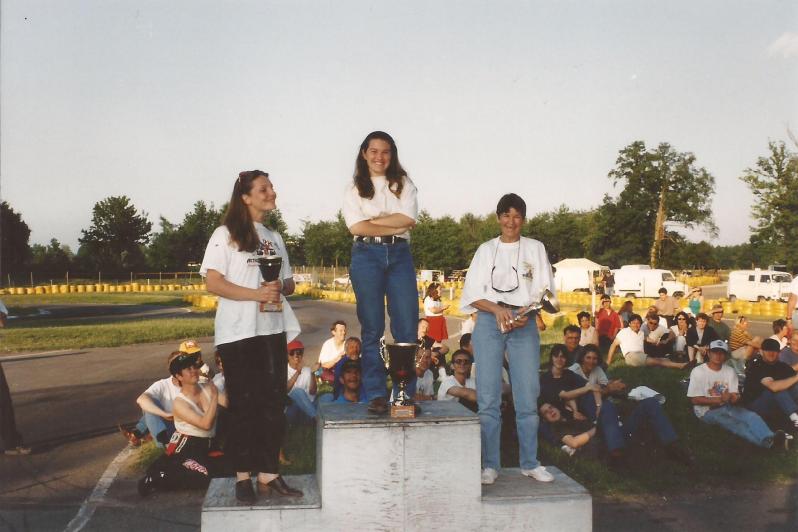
433,311
588,332
251,342
380,208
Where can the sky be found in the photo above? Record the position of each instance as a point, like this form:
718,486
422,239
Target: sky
165,102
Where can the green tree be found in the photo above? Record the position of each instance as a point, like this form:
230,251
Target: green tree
178,246
117,235
14,236
659,187
563,232
327,243
53,259
437,243
774,182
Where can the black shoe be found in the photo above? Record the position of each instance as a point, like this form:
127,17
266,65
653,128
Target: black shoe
279,487
146,485
781,441
378,405
245,492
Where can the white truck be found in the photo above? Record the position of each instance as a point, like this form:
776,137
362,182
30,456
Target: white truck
758,285
639,280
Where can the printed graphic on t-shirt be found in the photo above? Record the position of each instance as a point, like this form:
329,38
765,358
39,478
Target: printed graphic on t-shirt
717,389
266,248
529,271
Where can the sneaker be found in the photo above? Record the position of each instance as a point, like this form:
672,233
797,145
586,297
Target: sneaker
130,436
489,475
17,451
539,473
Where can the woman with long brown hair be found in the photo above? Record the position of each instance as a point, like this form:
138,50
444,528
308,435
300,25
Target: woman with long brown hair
380,208
251,343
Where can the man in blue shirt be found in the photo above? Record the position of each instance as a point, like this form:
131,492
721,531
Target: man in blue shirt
350,383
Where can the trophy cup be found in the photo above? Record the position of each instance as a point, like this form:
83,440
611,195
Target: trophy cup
270,270
401,366
548,302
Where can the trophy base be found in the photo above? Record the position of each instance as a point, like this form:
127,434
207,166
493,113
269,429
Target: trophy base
403,411
271,307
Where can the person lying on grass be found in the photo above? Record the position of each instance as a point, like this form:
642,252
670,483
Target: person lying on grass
631,341
581,435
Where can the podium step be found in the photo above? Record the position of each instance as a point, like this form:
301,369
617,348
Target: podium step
513,486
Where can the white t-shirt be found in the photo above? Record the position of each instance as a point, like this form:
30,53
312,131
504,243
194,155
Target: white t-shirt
450,382
218,381
527,256
164,392
329,351
782,341
303,381
656,334
630,341
429,305
424,385
705,382
597,376
236,320
467,327
383,203
794,286
587,335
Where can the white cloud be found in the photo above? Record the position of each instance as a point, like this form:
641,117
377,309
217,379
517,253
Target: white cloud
786,45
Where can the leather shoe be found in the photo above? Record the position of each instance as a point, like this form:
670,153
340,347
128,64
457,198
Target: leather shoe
378,405
244,491
279,487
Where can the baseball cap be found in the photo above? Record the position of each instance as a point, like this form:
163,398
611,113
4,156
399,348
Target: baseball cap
294,345
771,345
718,345
350,364
181,362
716,308
190,347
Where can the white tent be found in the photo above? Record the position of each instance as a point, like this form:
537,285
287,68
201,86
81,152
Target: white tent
575,274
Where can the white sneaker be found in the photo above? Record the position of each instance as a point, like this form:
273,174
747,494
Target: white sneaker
539,473
489,475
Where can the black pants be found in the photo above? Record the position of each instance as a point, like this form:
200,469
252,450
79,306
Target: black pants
8,426
185,465
255,374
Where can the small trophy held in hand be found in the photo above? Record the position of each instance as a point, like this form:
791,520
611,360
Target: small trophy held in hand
270,266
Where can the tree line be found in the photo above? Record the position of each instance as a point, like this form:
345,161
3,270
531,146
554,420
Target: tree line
660,191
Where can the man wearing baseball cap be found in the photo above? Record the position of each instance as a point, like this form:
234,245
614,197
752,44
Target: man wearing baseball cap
724,333
301,385
770,385
350,379
714,393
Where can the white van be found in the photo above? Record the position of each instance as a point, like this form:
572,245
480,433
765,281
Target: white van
639,280
758,285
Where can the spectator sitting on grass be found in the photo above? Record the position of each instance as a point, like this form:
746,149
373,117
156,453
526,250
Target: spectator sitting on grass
658,342
568,391
780,331
332,351
770,386
667,306
156,404
437,349
713,392
652,309
351,389
608,322
301,386
742,345
588,333
679,334
575,435
722,330
789,355
588,366
192,347
352,348
425,390
460,385
571,335
185,463
631,340
627,309
699,338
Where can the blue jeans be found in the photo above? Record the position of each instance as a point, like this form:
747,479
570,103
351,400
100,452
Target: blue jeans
770,403
155,425
302,408
648,412
741,422
523,352
377,271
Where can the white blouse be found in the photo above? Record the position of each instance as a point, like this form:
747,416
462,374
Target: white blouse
384,202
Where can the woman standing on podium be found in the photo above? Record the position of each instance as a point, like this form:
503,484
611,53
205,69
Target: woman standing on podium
506,274
252,343
380,208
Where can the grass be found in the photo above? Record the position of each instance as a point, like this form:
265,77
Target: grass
17,304
63,334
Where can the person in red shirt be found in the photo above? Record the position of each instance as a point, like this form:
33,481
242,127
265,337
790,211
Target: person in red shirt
608,323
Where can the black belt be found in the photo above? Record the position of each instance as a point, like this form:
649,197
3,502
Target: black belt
380,239
505,305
